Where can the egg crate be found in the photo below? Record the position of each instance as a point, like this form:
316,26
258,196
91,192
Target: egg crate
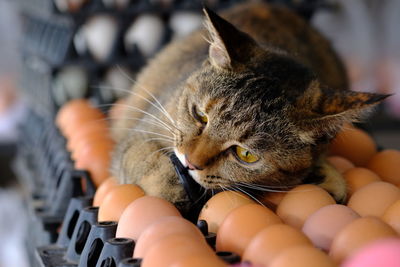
85,242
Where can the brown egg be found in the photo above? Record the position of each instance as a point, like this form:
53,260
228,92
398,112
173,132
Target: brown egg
355,145
115,202
171,225
170,249
358,233
141,213
374,198
323,225
302,256
93,128
392,216
271,241
88,146
241,225
103,190
387,165
357,178
199,261
301,202
273,199
76,113
219,206
340,163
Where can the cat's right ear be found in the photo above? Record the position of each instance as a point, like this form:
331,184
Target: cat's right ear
228,45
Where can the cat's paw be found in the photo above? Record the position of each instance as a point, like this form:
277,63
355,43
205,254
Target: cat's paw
334,182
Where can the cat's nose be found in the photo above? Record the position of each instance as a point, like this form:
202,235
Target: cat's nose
191,166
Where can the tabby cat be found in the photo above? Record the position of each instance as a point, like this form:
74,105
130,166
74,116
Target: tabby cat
250,104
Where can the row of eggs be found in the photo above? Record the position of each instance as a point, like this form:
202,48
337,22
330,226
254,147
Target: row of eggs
307,228
147,32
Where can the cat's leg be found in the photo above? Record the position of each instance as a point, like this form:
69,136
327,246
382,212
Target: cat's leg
333,181
145,163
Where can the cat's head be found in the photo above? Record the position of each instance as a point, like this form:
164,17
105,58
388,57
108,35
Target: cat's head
252,115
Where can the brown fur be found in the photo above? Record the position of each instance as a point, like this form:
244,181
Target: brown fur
281,93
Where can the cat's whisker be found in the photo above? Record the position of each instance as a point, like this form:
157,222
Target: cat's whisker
286,186
158,138
167,149
142,111
152,122
149,93
265,189
248,194
144,131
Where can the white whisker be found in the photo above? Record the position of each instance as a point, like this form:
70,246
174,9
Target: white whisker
250,195
158,138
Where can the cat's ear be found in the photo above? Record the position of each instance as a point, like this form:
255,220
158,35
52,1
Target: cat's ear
228,45
325,110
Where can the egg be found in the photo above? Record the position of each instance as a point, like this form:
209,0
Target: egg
120,80
301,202
69,5
69,83
357,234
271,241
340,163
323,225
302,256
115,202
219,206
100,33
273,199
170,225
383,253
86,132
355,145
101,192
141,213
384,194
75,114
173,248
147,32
357,178
386,164
392,216
241,225
182,23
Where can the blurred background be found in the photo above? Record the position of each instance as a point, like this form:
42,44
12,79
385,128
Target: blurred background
54,51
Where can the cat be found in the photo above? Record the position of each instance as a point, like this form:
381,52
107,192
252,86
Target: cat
250,102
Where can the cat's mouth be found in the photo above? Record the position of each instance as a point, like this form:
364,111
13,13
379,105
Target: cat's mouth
193,173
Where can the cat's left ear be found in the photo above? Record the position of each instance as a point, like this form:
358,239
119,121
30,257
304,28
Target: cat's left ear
228,45
325,110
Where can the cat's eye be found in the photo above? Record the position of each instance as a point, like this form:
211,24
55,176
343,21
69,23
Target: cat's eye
200,116
245,155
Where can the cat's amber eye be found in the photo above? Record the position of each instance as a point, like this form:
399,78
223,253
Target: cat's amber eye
245,155
200,116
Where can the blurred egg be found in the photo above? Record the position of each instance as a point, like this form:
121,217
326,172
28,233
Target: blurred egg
219,206
69,5
117,199
241,225
161,228
386,164
104,188
374,198
357,178
323,225
147,32
79,42
69,83
118,109
141,213
120,81
170,249
87,131
357,234
355,145
198,261
392,216
100,34
340,163
183,22
99,168
271,241
273,198
300,202
302,256
75,114
382,253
